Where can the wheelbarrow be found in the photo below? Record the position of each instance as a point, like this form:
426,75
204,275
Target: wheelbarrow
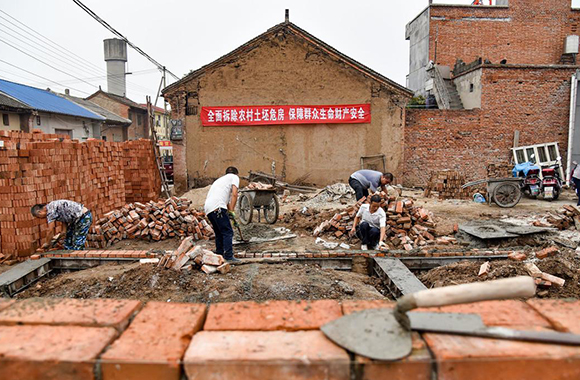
504,192
265,201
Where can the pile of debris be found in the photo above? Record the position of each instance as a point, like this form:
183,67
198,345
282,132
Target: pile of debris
259,186
448,184
567,217
339,192
189,256
150,221
408,226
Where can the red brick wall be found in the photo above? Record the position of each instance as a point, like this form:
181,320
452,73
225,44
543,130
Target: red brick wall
534,35
533,101
39,168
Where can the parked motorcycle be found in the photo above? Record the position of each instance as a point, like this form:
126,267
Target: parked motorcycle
551,186
531,185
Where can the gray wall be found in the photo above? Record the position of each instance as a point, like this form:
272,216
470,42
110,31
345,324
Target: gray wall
463,84
50,122
417,32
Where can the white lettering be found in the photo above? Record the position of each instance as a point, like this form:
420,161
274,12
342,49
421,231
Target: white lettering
242,115
338,113
330,113
265,115
307,113
292,113
315,114
281,114
257,114
300,113
353,113
234,115
322,113
361,113
249,115
273,114
226,115
210,116
218,116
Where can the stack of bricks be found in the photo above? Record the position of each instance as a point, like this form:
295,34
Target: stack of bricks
499,170
152,221
141,184
187,256
39,168
448,184
408,226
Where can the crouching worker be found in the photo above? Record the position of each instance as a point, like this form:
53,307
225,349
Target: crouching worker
219,206
76,217
364,180
370,224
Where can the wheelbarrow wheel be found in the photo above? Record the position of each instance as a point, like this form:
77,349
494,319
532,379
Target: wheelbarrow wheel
246,209
272,210
507,195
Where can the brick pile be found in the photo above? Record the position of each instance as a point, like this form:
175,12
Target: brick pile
499,170
154,221
566,217
140,184
408,226
448,185
39,168
189,256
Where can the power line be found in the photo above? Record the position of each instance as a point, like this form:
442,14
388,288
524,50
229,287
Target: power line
59,49
115,32
47,64
40,76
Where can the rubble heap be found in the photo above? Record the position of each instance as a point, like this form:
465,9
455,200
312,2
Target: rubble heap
568,216
408,226
448,184
189,256
151,221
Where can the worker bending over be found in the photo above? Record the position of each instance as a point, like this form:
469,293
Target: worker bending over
219,207
370,224
76,217
363,180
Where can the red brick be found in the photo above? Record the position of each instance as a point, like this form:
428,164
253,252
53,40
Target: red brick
271,315
562,314
49,311
4,303
460,357
51,352
259,355
416,366
154,343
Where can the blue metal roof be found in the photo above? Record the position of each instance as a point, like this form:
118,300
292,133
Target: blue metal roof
43,100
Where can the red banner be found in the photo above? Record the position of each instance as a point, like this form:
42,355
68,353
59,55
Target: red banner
274,115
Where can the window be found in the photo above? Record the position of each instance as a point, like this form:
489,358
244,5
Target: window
104,138
5,119
471,87
139,119
64,132
38,120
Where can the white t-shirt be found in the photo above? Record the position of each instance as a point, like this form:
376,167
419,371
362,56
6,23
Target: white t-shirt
378,219
576,173
220,192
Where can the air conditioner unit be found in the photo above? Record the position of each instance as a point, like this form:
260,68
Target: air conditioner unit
571,45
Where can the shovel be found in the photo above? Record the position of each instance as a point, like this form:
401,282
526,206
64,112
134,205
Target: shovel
385,334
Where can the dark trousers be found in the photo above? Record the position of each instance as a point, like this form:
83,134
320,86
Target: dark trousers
224,234
76,232
358,188
577,184
368,234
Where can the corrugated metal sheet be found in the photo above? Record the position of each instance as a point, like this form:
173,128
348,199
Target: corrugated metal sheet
43,100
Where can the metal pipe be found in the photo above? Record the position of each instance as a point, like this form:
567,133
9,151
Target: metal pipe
573,98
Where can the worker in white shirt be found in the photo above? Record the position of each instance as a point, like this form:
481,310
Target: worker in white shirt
370,224
219,208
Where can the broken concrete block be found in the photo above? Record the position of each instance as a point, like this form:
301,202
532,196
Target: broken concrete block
210,258
484,269
224,268
209,269
551,251
533,270
149,261
517,256
553,279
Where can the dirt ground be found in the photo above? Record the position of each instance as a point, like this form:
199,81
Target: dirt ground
257,282
565,265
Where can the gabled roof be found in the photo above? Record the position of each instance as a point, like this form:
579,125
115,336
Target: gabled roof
301,33
121,99
155,108
9,102
43,100
93,107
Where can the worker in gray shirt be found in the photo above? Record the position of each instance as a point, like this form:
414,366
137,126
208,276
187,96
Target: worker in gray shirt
363,180
576,180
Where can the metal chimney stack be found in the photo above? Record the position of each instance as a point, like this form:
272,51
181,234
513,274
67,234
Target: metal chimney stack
116,56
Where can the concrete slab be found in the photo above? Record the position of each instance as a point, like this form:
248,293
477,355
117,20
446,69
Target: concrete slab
399,276
22,275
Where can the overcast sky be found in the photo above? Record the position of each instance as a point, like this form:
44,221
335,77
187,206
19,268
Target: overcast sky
185,35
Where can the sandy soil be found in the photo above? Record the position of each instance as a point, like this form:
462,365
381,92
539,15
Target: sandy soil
285,281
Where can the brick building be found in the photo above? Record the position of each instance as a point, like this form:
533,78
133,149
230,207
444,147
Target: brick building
517,86
286,66
127,109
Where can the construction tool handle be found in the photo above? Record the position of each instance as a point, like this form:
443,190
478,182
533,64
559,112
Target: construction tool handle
516,287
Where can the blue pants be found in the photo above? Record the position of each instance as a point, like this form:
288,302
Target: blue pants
368,234
76,232
224,234
577,184
359,190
